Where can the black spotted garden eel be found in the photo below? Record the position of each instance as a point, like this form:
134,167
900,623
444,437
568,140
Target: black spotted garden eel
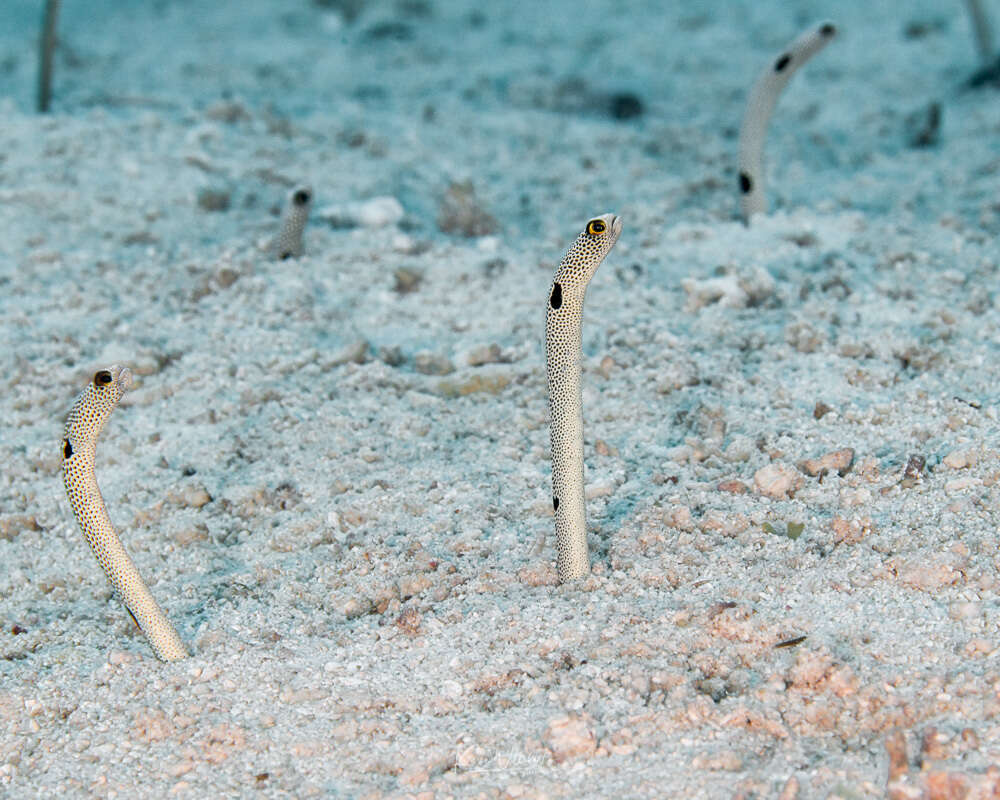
288,242
88,416
563,356
760,106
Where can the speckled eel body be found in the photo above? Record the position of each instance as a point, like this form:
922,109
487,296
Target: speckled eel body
760,106
563,356
288,242
88,416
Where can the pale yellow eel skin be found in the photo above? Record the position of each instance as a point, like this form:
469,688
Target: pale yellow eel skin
563,356
760,107
86,419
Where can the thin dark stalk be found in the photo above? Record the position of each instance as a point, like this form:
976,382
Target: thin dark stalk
981,30
46,50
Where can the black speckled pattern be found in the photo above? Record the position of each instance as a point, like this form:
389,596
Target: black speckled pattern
87,418
563,327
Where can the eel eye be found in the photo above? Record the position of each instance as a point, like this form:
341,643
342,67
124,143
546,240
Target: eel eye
102,378
596,227
301,197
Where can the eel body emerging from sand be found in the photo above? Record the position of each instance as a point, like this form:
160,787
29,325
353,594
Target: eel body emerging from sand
563,355
88,416
288,242
760,106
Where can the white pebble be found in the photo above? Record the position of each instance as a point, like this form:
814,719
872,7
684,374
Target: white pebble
379,212
777,481
960,459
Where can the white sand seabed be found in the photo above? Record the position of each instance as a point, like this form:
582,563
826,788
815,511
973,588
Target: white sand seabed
333,470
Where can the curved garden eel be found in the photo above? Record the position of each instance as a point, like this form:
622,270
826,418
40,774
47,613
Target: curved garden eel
288,243
563,356
86,419
982,31
760,106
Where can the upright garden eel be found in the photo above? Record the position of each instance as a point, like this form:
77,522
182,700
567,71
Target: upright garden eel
288,243
563,355
86,419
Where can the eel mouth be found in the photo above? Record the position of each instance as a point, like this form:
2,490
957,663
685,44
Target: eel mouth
616,226
122,376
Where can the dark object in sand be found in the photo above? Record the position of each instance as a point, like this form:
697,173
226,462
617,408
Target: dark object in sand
46,50
625,105
925,125
988,75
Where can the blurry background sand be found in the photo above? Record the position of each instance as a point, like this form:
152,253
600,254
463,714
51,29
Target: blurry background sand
333,471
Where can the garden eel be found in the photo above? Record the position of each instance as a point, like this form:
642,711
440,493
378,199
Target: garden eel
86,419
760,106
288,243
563,356
981,30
